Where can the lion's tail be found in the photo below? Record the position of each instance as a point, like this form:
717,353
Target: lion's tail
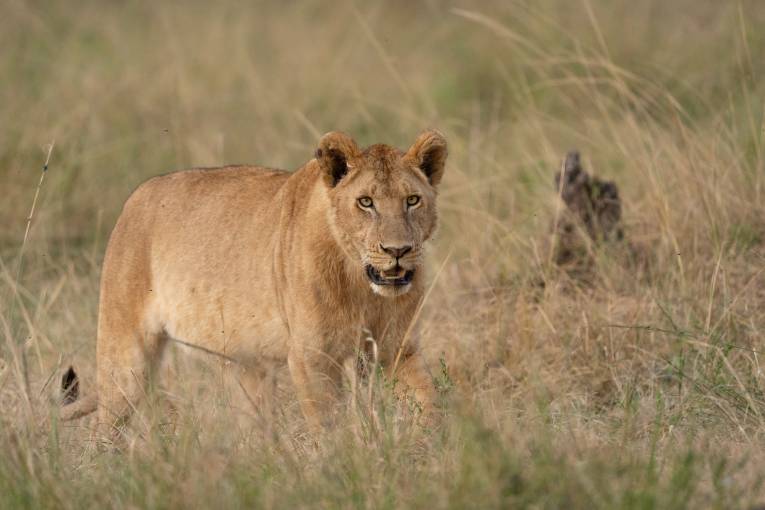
73,406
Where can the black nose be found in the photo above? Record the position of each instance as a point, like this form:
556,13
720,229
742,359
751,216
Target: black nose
396,252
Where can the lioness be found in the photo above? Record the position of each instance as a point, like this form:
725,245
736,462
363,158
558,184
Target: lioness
268,265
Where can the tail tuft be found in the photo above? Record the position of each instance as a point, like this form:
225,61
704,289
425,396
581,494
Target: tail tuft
70,387
73,406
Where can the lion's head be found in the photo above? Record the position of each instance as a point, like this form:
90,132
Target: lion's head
383,205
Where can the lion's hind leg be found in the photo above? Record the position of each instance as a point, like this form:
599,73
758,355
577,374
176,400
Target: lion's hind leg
125,367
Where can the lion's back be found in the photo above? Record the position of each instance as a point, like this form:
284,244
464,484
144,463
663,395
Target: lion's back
203,194
189,187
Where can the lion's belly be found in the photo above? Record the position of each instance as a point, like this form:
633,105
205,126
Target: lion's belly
244,337
249,343
234,317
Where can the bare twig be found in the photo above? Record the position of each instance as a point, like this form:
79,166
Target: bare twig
19,355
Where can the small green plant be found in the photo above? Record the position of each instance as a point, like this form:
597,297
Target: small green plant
443,381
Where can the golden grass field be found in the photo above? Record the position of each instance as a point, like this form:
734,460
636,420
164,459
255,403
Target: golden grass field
638,388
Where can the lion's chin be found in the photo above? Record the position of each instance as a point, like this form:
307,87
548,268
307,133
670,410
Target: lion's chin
385,285
390,291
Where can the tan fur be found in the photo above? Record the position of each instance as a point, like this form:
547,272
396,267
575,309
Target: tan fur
268,266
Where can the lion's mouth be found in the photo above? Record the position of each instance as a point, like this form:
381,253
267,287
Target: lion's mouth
395,277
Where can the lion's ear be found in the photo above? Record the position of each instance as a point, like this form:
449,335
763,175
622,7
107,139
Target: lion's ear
429,154
333,153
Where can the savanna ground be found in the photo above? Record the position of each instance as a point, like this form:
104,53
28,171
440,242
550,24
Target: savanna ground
638,387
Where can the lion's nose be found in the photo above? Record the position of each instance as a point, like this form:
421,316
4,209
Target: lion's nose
396,251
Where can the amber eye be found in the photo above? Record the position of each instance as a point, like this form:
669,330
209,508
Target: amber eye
365,202
412,200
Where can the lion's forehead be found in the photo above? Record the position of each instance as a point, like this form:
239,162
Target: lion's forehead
382,161
382,153
391,188
383,171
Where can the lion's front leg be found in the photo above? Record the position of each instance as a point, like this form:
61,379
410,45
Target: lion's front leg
317,378
414,384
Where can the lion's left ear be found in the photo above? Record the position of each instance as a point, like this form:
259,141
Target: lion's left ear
429,154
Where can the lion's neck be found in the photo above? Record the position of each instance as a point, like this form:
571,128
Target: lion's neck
319,241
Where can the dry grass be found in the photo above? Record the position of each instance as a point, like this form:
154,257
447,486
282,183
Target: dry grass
642,389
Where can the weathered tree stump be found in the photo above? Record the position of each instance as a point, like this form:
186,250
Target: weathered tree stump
592,216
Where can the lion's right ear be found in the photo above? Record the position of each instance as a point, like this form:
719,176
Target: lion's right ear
335,149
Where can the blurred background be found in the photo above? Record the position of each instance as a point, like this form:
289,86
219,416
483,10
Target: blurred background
134,89
640,385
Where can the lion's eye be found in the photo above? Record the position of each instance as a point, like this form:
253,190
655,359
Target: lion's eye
412,200
365,202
